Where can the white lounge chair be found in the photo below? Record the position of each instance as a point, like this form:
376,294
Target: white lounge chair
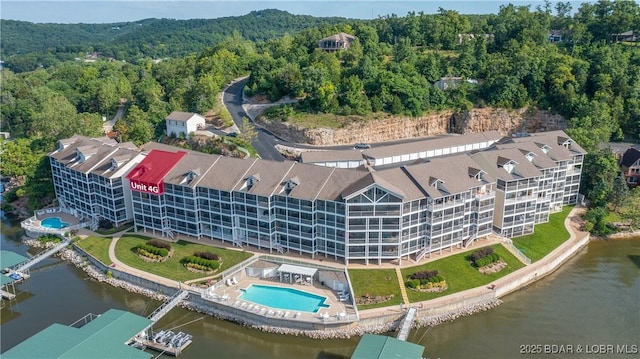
236,303
297,315
250,307
234,280
286,314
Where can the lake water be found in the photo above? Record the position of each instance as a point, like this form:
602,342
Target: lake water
593,300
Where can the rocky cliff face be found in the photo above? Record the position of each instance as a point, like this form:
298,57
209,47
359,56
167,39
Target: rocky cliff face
395,128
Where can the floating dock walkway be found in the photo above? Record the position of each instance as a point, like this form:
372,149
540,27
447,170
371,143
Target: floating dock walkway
406,324
22,267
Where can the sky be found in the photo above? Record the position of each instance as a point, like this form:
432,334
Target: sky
113,11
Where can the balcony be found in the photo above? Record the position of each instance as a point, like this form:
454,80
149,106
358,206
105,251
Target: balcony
485,195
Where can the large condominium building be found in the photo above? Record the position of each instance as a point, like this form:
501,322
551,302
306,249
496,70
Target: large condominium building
88,177
344,214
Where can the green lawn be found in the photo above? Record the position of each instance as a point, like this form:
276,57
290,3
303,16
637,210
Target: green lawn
459,273
546,237
376,282
172,268
98,247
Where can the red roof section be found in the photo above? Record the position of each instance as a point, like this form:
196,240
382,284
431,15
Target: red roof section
155,166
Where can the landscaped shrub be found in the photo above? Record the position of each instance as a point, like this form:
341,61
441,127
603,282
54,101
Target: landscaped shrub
105,224
484,261
200,263
207,255
481,253
143,247
424,275
159,244
426,280
49,238
413,283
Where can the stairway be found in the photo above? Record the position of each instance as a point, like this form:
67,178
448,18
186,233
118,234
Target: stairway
403,289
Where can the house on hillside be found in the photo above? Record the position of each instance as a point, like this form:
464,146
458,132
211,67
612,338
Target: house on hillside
556,36
630,166
627,36
337,42
183,123
451,82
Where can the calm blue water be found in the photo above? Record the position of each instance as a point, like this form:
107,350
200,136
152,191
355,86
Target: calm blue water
283,298
53,222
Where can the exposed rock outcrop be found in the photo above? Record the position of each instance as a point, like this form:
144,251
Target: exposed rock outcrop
395,128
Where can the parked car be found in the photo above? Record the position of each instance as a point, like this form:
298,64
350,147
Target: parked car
232,134
361,146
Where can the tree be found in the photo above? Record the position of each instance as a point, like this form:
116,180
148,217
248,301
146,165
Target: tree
247,131
140,129
17,158
600,167
619,192
632,209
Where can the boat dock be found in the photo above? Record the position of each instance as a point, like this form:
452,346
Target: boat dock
164,341
168,342
7,295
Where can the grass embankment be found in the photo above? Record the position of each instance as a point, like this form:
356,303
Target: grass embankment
456,270
98,247
171,268
460,274
376,282
546,237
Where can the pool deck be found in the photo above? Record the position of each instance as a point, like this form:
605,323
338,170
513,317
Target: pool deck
336,312
64,217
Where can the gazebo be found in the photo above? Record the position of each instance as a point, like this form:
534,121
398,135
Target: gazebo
301,273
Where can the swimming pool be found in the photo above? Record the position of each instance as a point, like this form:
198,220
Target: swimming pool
53,222
283,298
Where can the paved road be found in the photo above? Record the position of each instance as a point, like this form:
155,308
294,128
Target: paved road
265,141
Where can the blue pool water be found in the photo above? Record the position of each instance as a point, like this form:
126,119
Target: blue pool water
283,298
53,222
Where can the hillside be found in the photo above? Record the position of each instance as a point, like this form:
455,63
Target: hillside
26,45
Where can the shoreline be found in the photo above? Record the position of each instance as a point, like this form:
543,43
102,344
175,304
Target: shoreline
375,321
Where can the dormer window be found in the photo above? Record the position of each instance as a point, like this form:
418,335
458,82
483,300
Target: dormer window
191,175
564,141
80,156
437,183
114,164
290,184
530,156
507,164
250,181
476,173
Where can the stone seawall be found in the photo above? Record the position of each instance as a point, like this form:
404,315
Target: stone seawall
396,128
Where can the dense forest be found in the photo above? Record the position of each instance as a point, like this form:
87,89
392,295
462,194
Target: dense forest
590,76
26,46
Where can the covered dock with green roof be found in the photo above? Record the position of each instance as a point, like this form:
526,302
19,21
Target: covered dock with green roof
382,347
9,259
103,337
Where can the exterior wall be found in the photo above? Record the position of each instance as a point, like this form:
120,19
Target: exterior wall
185,127
92,195
518,213
381,161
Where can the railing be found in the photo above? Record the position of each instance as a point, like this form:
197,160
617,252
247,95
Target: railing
508,243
